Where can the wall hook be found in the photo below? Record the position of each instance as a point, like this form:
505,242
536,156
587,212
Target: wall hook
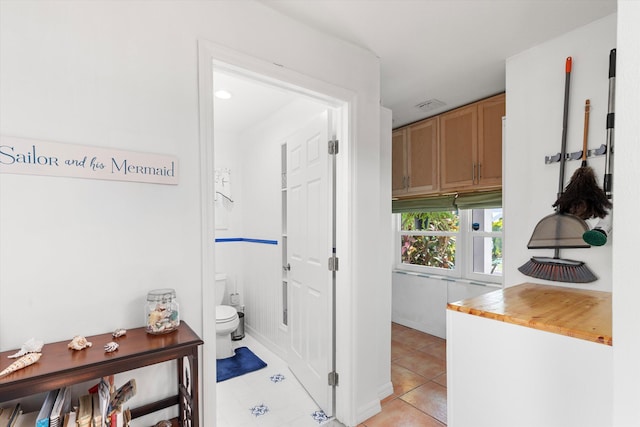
576,155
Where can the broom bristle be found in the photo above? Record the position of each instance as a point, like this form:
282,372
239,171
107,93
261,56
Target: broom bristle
583,197
558,270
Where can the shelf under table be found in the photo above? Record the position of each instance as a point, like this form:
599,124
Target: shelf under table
60,366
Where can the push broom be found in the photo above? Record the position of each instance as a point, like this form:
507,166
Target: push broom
559,230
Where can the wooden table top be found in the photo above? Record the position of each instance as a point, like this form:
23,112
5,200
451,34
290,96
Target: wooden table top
575,313
60,366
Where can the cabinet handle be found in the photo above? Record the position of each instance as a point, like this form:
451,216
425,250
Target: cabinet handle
473,173
479,172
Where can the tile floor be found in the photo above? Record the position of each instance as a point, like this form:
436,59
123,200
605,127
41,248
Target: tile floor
269,397
419,377
272,397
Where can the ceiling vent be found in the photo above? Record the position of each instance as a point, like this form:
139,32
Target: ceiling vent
430,104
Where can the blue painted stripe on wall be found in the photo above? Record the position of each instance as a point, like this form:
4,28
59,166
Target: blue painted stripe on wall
242,239
266,242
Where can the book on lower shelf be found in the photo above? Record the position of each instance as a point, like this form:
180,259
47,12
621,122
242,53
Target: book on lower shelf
123,394
10,415
28,419
47,407
61,406
5,415
69,419
96,416
85,410
103,398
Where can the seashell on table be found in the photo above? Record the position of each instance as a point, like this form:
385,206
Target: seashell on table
79,342
31,346
119,332
24,361
111,346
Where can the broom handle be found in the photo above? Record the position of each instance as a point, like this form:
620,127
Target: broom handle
587,105
563,147
608,164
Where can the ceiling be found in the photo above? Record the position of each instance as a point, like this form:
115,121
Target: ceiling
251,101
453,51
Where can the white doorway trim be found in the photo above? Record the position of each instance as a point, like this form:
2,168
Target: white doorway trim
211,55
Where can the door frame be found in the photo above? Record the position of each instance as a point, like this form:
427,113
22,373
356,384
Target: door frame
210,56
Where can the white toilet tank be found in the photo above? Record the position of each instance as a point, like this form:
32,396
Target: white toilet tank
221,286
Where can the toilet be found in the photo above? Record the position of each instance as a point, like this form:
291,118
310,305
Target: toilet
227,320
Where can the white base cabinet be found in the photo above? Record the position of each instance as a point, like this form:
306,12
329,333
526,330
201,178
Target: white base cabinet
505,375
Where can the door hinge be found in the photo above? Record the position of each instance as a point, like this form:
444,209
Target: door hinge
333,146
333,378
333,263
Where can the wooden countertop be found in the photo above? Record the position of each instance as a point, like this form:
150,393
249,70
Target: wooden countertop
575,313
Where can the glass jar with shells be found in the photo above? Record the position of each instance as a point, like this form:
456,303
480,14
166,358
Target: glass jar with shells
162,311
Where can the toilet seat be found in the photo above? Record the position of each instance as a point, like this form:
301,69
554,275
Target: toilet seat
225,313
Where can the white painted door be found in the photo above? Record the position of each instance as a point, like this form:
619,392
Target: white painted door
309,240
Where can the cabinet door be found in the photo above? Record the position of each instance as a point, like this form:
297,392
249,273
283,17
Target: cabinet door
422,157
490,113
458,140
398,162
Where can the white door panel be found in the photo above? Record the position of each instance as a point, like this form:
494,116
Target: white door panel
309,233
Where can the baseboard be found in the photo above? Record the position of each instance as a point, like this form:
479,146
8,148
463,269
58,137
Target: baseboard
373,408
369,410
385,391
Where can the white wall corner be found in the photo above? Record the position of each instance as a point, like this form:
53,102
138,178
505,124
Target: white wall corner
626,318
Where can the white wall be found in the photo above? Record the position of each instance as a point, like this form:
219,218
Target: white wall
78,256
420,302
228,215
125,75
535,81
626,293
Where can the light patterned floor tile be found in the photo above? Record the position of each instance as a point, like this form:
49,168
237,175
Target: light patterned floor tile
417,357
287,401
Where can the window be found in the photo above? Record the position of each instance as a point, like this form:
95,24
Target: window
466,243
429,239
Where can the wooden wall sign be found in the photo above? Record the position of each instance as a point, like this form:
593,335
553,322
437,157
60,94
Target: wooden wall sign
36,157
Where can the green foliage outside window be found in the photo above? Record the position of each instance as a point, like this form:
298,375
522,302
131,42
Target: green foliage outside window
440,251
430,251
496,249
496,252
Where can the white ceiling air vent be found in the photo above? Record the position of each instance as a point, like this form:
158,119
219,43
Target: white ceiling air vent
430,104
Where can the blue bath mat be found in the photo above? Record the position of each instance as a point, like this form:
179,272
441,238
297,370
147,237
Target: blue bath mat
243,362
